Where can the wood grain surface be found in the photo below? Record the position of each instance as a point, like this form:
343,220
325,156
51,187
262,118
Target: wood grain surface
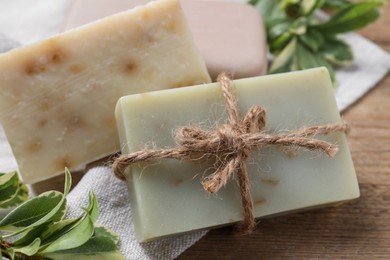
356,230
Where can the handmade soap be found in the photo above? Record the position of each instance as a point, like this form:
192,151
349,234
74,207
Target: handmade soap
167,196
230,36
58,96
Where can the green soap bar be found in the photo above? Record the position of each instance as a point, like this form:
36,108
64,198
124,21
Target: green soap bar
167,196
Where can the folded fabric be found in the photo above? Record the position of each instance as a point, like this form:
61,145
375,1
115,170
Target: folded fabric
371,64
115,213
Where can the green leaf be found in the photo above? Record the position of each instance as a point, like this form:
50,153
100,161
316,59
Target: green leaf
56,230
12,190
351,18
336,51
299,26
93,208
20,195
309,6
312,39
307,60
30,249
280,28
8,193
11,252
49,206
101,231
278,44
336,4
96,248
8,179
68,181
8,186
47,232
30,235
285,60
78,235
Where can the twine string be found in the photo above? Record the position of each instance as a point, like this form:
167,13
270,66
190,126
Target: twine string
231,144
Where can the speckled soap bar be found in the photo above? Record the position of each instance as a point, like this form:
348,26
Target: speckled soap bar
58,96
167,196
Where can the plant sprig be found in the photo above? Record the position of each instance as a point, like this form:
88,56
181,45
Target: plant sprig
36,229
298,39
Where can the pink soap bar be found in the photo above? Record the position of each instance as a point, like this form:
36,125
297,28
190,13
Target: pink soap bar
230,36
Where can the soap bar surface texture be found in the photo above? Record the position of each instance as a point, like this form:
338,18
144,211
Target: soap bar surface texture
58,96
167,196
230,36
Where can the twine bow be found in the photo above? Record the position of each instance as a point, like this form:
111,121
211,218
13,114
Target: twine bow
231,144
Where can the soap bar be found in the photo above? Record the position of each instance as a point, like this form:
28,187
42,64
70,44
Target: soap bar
167,196
230,36
58,96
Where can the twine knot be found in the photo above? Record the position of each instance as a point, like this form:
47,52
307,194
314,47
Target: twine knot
231,145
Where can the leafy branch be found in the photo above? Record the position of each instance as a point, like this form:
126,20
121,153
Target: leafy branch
298,39
36,229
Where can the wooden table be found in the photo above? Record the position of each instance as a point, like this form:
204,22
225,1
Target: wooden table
356,230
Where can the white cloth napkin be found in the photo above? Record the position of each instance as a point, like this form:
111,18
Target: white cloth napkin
24,22
371,64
